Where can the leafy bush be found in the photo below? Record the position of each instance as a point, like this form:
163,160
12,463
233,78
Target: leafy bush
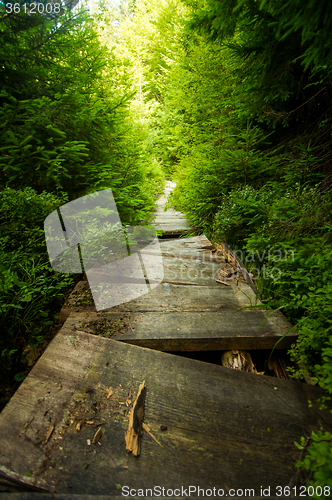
28,286
66,120
319,461
22,216
241,211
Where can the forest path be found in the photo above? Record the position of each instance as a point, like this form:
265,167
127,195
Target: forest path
217,428
192,309
171,222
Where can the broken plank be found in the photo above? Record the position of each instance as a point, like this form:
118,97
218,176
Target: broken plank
243,423
136,416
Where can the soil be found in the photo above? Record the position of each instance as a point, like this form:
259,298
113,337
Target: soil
106,328
82,297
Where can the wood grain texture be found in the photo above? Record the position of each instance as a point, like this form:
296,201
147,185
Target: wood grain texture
224,428
172,297
192,330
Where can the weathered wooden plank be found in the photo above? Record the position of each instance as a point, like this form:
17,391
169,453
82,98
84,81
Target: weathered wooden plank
169,297
194,271
199,242
198,247
178,227
190,330
168,217
225,429
171,222
161,212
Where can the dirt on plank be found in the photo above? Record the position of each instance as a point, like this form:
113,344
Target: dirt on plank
105,327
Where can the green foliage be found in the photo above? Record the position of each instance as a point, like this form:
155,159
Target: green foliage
239,211
272,25
211,174
319,461
68,127
22,216
28,286
245,130
34,152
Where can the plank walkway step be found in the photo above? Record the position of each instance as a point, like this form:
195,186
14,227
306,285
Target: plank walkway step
170,222
188,330
189,311
225,428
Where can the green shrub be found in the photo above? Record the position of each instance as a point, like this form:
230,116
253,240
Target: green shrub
22,217
28,286
241,211
319,461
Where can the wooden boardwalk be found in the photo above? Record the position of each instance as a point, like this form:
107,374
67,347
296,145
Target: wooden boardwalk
216,427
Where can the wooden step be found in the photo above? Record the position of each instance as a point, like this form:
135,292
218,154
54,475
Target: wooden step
190,330
171,222
192,309
225,428
170,228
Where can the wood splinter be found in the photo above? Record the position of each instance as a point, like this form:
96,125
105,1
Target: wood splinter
223,282
134,432
48,435
147,429
97,436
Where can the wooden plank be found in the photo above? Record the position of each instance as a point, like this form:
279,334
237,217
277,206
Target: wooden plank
176,228
171,222
194,270
225,428
191,271
171,297
80,299
199,242
189,331
163,217
190,310
198,247
170,213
